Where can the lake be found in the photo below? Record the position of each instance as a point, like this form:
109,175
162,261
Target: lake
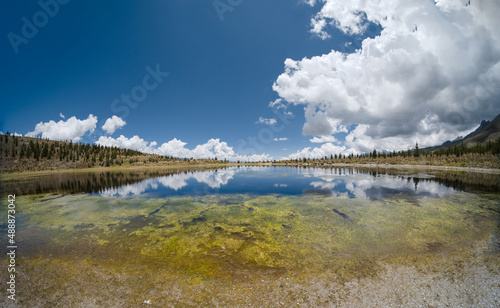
255,236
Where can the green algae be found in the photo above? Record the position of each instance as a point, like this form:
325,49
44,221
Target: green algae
216,234
240,249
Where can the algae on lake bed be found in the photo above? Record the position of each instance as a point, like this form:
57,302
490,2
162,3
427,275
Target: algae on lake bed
235,249
216,234
233,238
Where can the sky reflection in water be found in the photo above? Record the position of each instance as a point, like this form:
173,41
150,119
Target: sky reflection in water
348,182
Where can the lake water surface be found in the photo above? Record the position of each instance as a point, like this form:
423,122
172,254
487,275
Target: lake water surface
228,226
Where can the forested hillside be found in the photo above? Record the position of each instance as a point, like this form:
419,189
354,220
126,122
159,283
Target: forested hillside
19,154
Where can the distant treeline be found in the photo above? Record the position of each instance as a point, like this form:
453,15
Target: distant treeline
18,154
489,147
459,150
16,147
27,154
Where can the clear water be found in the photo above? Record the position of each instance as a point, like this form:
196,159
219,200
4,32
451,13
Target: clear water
233,222
351,183
357,183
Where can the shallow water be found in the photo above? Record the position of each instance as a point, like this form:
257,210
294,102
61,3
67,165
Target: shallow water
229,223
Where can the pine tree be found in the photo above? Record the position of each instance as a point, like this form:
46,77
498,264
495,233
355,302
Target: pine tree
37,151
52,150
29,151
31,148
22,153
13,152
45,151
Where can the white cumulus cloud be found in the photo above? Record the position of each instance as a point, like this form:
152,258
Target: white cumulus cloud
280,139
112,124
265,121
278,104
134,143
326,149
72,129
323,139
213,148
432,74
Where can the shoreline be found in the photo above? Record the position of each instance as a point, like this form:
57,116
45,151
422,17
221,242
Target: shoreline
423,167
29,174
25,175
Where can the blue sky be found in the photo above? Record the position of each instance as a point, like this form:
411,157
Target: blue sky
221,75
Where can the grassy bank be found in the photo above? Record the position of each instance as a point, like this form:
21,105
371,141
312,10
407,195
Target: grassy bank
125,168
468,160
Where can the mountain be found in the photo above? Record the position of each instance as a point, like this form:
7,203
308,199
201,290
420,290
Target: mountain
487,131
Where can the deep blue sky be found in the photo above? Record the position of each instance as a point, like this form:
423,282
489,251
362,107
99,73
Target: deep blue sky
221,72
422,80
